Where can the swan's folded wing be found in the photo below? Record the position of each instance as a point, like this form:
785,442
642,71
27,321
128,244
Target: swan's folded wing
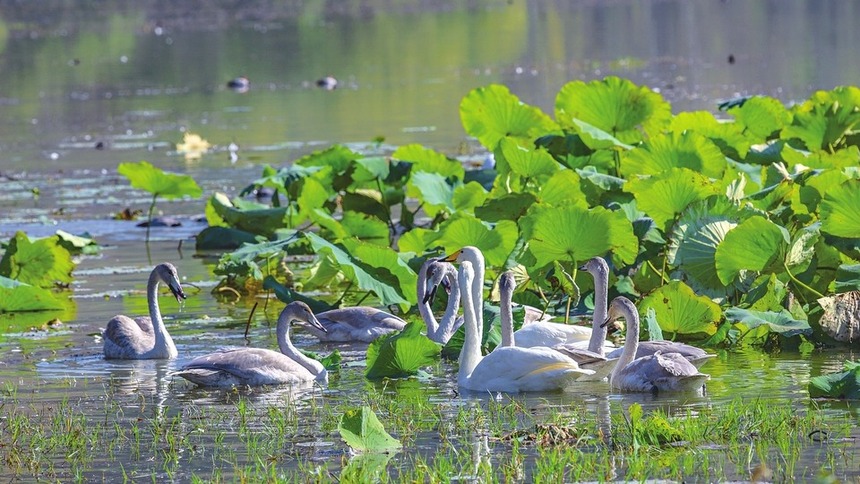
515,369
675,364
361,317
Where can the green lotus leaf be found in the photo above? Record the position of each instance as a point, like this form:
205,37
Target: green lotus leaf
669,193
17,296
391,267
313,196
262,221
41,262
77,244
158,182
365,467
576,234
847,278
337,157
761,117
614,105
402,354
782,322
363,432
468,196
370,168
595,138
365,227
814,188
680,311
249,258
675,150
842,158
802,249
694,241
491,113
288,295
433,190
727,136
366,201
826,120
425,159
223,238
767,293
526,161
510,206
844,384
756,244
418,240
840,210
280,179
495,241
563,188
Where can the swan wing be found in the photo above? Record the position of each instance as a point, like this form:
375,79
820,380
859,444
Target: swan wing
244,366
124,336
516,369
647,348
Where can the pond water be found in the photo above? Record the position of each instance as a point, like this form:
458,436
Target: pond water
90,86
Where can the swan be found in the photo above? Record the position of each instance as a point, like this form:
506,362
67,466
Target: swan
598,269
257,366
509,368
432,274
144,338
660,372
358,323
586,359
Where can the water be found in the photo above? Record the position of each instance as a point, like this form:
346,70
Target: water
89,87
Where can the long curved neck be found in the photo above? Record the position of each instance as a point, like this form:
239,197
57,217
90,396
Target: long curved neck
424,308
448,325
287,348
601,296
477,260
631,344
470,354
506,312
163,341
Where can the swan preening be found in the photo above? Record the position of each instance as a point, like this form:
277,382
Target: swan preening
509,368
434,273
659,372
257,366
145,337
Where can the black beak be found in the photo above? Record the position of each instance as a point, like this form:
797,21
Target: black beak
605,323
177,292
430,295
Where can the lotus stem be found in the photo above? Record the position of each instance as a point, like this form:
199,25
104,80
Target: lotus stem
800,283
149,216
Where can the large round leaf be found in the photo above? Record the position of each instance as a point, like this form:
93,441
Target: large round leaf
614,105
144,176
761,117
667,194
41,262
401,354
425,159
840,210
782,322
496,242
491,113
756,245
526,161
680,311
675,150
826,120
575,233
727,136
563,188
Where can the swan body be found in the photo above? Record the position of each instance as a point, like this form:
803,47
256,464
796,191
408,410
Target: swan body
432,274
696,356
257,366
358,323
507,368
543,333
660,372
144,338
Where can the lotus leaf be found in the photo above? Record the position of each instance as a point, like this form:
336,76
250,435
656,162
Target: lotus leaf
527,162
761,117
160,183
563,188
845,384
781,322
263,221
847,278
756,244
491,113
77,244
675,150
433,190
41,262
614,105
338,157
313,196
767,293
511,206
491,336
223,238
287,295
824,122
596,138
680,311
727,136
425,159
402,354
363,432
468,196
391,267
664,196
16,296
244,260
840,210
418,240
370,168
496,241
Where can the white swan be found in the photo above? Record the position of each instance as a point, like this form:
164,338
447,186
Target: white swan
357,323
145,337
537,333
507,369
257,366
660,372
586,359
432,274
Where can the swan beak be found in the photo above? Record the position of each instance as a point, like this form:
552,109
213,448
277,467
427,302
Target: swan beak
452,257
430,295
313,321
606,322
176,290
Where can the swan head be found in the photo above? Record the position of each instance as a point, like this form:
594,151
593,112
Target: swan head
299,311
620,307
170,277
507,284
436,272
468,253
596,266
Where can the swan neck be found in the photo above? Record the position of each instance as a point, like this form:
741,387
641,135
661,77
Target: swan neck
631,344
470,354
506,312
163,341
601,296
424,309
448,325
287,348
477,295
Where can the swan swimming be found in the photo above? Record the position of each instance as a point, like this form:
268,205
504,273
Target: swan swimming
145,338
258,366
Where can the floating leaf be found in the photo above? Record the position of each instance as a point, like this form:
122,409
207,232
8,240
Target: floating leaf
614,105
664,196
401,354
154,180
845,384
41,262
840,210
77,244
16,296
491,113
756,244
675,150
363,432
680,311
782,322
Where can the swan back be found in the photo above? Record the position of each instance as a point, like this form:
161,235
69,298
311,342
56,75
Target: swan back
357,323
